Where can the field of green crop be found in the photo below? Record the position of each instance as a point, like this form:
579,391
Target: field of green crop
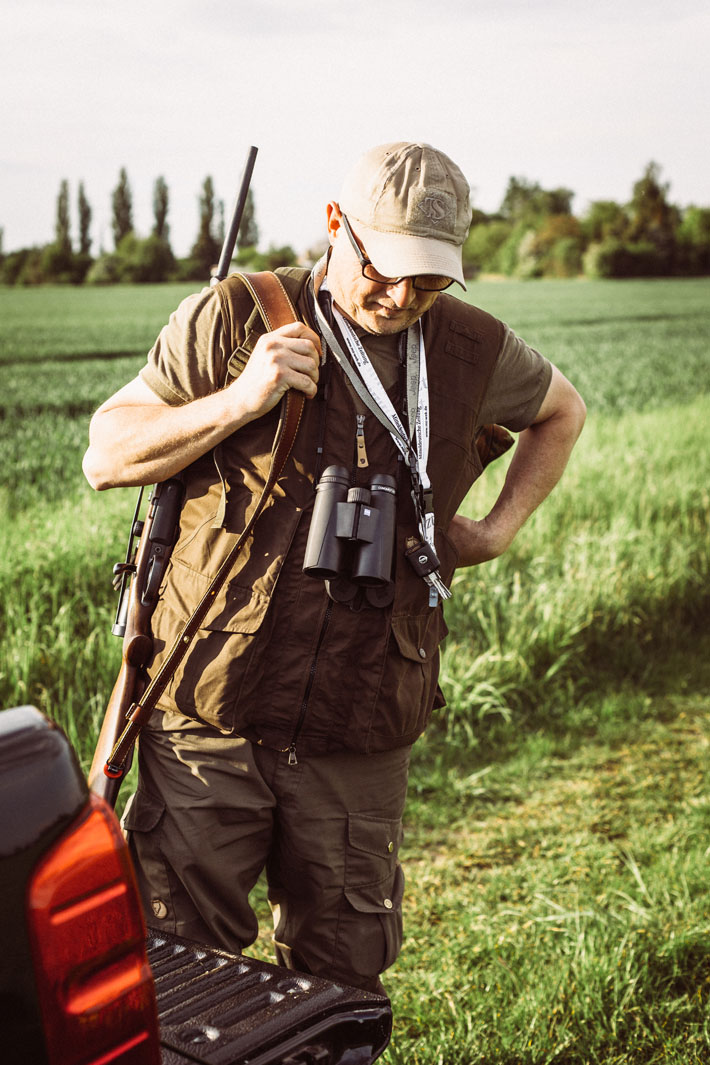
558,821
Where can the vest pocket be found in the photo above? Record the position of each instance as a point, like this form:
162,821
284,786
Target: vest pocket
207,684
418,638
241,604
237,607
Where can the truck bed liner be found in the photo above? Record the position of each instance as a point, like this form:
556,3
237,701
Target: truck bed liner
217,1008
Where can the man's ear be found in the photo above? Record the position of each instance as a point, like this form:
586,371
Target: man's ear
334,215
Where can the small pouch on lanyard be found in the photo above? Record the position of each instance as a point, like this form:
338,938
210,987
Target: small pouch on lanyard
421,557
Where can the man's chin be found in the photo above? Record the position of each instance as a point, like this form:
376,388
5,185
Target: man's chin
384,322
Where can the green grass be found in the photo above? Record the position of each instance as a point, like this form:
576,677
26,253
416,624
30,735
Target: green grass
557,825
613,568
558,904
620,342
60,323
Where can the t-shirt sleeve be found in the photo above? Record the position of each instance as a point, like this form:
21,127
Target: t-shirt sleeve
518,385
188,360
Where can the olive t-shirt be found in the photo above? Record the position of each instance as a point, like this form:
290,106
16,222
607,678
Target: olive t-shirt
189,360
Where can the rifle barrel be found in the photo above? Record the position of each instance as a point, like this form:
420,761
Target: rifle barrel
231,238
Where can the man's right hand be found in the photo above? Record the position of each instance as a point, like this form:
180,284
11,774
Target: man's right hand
138,438
288,357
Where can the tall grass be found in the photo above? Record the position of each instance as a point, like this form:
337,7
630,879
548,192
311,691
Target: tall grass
613,569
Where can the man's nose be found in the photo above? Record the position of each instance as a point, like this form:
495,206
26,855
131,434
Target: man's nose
401,293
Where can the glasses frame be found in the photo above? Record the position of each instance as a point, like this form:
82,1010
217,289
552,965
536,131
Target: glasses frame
380,280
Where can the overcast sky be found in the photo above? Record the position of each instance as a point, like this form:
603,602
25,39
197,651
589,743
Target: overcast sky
574,93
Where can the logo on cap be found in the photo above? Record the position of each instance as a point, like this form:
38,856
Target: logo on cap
434,208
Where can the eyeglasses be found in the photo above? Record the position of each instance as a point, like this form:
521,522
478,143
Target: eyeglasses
422,282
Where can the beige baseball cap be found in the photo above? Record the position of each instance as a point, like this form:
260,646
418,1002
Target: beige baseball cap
409,204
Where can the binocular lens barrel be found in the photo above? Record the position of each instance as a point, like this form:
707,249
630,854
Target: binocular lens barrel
325,553
372,563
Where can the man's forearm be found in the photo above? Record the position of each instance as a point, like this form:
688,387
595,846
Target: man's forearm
133,445
539,460
538,463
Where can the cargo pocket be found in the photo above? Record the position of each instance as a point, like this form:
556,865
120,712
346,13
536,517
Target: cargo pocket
142,824
374,886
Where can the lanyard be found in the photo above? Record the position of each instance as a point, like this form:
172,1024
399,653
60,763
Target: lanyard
371,391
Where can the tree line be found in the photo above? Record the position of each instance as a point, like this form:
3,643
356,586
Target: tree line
533,234
135,258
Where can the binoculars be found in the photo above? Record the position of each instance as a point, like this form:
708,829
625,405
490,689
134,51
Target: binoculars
351,538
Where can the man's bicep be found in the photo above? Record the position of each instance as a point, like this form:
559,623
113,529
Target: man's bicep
189,358
135,394
560,397
517,386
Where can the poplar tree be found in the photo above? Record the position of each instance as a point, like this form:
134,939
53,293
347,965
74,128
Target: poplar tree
206,249
122,204
248,236
161,200
84,208
652,217
62,235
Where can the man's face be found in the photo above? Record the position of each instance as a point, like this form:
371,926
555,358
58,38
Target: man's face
378,308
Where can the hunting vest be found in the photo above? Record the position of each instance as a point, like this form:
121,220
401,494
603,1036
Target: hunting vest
276,660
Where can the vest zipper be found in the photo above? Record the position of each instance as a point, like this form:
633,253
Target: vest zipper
292,759
360,441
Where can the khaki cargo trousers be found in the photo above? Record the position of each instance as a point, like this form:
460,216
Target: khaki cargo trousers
212,811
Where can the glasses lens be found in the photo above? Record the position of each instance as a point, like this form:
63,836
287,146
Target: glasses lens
374,275
422,282
432,282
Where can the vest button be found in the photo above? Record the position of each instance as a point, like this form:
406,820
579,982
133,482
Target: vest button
388,904
422,652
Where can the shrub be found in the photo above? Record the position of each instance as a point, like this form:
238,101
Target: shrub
134,261
480,251
104,271
57,264
565,258
614,259
14,263
508,253
148,260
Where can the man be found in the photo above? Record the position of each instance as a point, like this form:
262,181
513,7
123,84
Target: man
284,739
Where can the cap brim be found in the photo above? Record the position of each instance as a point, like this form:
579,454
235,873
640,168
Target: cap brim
405,254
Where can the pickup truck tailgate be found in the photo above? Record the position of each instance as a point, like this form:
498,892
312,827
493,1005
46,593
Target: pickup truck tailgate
217,1008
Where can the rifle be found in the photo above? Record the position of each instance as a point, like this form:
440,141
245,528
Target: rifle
140,577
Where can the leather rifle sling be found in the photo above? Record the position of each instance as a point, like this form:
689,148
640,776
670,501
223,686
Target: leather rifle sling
276,310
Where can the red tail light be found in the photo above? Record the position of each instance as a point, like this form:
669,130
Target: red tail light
88,940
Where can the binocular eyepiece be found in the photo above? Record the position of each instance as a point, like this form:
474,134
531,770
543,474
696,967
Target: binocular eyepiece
352,533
